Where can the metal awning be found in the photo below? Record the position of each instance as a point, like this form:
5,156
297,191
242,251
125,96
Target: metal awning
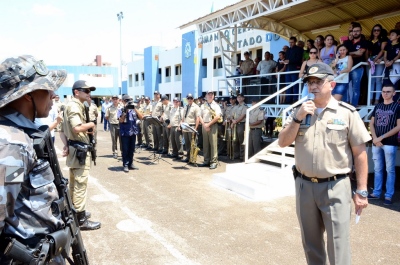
304,19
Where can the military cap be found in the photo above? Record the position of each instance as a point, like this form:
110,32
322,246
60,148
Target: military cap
319,70
222,99
232,97
156,92
164,98
81,84
189,96
126,97
176,99
146,98
24,74
240,95
115,96
216,99
210,91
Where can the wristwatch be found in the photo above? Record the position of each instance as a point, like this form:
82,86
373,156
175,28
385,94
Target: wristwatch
363,193
297,121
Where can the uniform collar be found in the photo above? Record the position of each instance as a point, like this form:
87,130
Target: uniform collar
332,104
78,101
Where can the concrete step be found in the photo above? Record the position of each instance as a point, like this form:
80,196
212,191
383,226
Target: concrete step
262,182
279,159
287,150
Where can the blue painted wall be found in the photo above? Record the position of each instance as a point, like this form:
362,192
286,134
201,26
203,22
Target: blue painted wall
189,61
79,70
151,76
124,87
276,44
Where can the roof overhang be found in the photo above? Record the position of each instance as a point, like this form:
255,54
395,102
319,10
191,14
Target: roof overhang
304,19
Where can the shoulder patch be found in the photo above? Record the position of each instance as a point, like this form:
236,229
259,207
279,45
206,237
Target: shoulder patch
348,106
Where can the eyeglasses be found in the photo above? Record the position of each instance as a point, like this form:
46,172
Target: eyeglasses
190,98
387,92
313,52
87,91
318,82
357,30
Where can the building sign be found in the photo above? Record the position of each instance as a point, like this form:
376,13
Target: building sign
188,50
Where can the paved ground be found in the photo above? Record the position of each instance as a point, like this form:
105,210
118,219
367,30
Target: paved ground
168,214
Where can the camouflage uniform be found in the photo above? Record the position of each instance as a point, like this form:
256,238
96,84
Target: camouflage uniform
26,182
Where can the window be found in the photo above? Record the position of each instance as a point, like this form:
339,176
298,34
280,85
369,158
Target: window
159,71
178,69
142,76
130,81
217,62
136,77
167,71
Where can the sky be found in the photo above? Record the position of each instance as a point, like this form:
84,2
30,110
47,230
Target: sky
73,32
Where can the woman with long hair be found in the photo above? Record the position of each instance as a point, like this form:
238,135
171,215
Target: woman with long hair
342,64
327,54
306,64
378,40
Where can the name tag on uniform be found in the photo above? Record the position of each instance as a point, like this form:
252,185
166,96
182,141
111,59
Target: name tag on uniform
14,175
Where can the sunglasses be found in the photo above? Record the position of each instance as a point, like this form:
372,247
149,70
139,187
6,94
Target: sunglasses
190,98
377,30
87,91
313,52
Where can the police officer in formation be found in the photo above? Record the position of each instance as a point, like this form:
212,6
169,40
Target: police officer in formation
165,119
75,135
238,123
175,117
209,115
147,127
191,114
157,111
256,123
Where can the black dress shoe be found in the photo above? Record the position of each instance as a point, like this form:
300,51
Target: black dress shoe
160,151
185,160
204,165
164,152
149,148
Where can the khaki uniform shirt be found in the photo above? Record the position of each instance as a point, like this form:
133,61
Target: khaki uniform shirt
205,112
157,109
148,109
324,149
111,114
93,112
190,114
166,109
74,115
175,116
228,112
256,115
246,67
238,111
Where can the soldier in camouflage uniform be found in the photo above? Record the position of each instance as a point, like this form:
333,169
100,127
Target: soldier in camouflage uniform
27,189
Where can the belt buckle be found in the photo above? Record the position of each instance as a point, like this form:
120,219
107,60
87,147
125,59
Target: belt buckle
314,180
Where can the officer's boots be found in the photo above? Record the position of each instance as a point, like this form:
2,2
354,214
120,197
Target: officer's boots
85,224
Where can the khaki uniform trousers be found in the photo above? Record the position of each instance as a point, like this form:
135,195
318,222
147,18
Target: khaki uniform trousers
157,137
148,133
324,207
188,142
210,150
78,179
176,140
114,131
239,148
254,141
166,138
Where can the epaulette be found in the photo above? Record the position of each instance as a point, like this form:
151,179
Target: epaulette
346,105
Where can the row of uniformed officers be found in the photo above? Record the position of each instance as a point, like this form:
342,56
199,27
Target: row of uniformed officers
220,127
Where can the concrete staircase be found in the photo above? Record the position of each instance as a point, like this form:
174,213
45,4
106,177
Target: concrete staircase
267,176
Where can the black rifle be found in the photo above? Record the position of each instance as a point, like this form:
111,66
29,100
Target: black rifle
91,136
63,241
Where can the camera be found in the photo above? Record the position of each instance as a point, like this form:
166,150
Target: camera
129,105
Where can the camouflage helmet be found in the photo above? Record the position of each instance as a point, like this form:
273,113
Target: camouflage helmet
24,74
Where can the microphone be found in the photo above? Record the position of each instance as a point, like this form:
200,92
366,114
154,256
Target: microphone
310,96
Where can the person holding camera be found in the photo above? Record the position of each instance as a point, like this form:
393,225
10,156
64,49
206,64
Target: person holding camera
75,136
175,117
128,129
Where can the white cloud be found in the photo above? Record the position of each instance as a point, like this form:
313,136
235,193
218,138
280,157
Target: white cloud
47,10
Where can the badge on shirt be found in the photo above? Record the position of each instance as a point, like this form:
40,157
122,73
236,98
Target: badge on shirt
336,122
14,175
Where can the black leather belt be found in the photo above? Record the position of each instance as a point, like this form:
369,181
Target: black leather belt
192,124
318,180
255,128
